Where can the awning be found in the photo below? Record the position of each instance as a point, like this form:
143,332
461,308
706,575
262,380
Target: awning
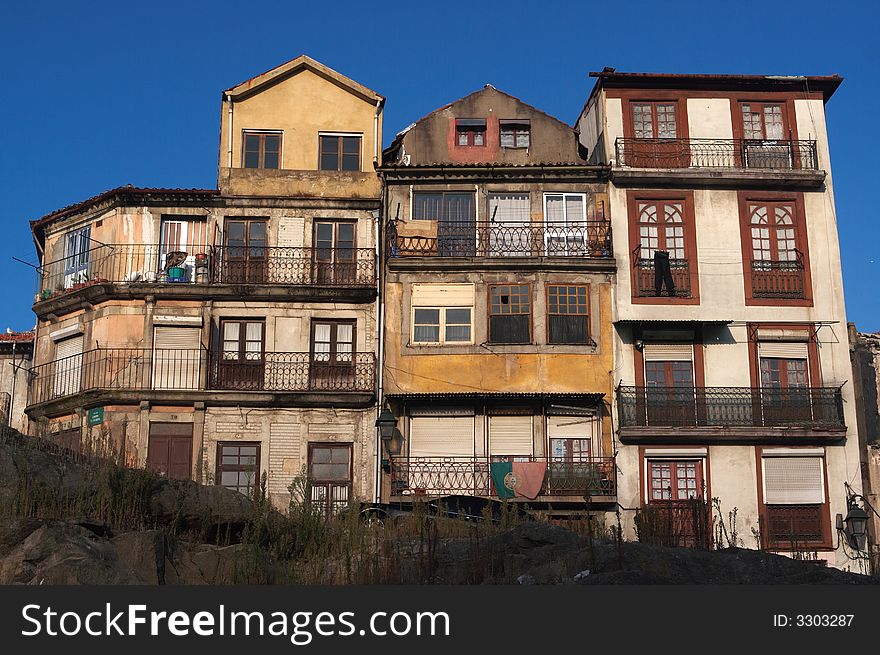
673,322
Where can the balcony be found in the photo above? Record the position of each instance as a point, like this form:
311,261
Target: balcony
647,285
779,279
222,272
135,374
485,243
790,162
570,481
806,415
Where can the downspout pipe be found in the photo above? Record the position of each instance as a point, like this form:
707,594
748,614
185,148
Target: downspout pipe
380,336
229,130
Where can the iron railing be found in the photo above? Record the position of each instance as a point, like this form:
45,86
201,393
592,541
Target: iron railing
779,279
281,265
775,154
433,476
143,369
794,524
590,239
151,263
646,282
729,406
289,371
133,369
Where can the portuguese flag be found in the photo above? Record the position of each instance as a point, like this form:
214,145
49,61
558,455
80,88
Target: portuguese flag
518,478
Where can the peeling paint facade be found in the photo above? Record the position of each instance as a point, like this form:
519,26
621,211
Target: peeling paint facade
227,336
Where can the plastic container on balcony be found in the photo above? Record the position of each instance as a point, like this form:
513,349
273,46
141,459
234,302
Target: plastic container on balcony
176,274
201,268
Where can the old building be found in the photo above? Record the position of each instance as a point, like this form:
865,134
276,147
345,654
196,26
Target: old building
16,352
731,362
865,350
228,335
497,293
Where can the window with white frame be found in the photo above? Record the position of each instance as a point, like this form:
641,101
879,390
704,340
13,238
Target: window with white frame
442,314
562,212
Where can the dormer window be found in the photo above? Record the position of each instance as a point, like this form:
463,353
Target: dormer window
470,131
515,133
262,149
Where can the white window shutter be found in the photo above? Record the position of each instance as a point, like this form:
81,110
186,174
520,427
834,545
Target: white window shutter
793,481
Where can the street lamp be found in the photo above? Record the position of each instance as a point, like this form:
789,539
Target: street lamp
387,424
856,523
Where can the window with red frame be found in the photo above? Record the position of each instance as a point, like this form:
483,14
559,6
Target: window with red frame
470,131
654,120
778,267
661,228
763,121
674,480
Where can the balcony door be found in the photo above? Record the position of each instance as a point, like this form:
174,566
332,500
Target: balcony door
334,254
246,254
785,393
330,474
573,469
656,142
68,366
565,216
77,249
676,514
455,214
181,241
241,364
777,266
662,244
669,384
508,232
332,355
764,135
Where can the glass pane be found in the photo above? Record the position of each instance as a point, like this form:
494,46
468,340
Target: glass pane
458,316
322,333
426,334
508,138
351,162
230,332
344,333
427,316
458,333
555,209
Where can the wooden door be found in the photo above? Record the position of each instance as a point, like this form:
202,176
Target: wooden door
170,450
677,509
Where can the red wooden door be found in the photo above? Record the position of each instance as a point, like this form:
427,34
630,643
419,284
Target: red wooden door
170,450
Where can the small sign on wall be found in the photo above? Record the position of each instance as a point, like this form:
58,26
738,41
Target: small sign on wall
96,416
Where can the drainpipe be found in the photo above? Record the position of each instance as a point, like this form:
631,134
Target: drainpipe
376,132
380,335
229,128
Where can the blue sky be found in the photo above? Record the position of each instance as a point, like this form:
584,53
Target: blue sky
101,94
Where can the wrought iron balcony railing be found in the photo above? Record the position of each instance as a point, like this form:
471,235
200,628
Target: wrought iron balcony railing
156,264
132,369
779,279
434,476
772,154
589,239
787,524
144,369
729,407
648,284
274,371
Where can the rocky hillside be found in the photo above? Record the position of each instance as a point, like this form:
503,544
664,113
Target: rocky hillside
68,521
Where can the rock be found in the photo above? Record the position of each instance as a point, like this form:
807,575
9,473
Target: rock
525,580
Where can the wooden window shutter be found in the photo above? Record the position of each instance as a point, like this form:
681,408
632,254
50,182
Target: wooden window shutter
510,435
668,352
793,481
441,436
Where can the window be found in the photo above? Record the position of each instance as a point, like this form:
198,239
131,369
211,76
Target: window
442,313
773,232
241,364
515,133
509,231
670,480
437,325
795,509
662,240
470,131
510,319
568,314
455,214
77,249
333,355
654,120
330,476
334,253
784,376
510,438
763,121
262,149
245,258
238,466
339,152
565,216
669,384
